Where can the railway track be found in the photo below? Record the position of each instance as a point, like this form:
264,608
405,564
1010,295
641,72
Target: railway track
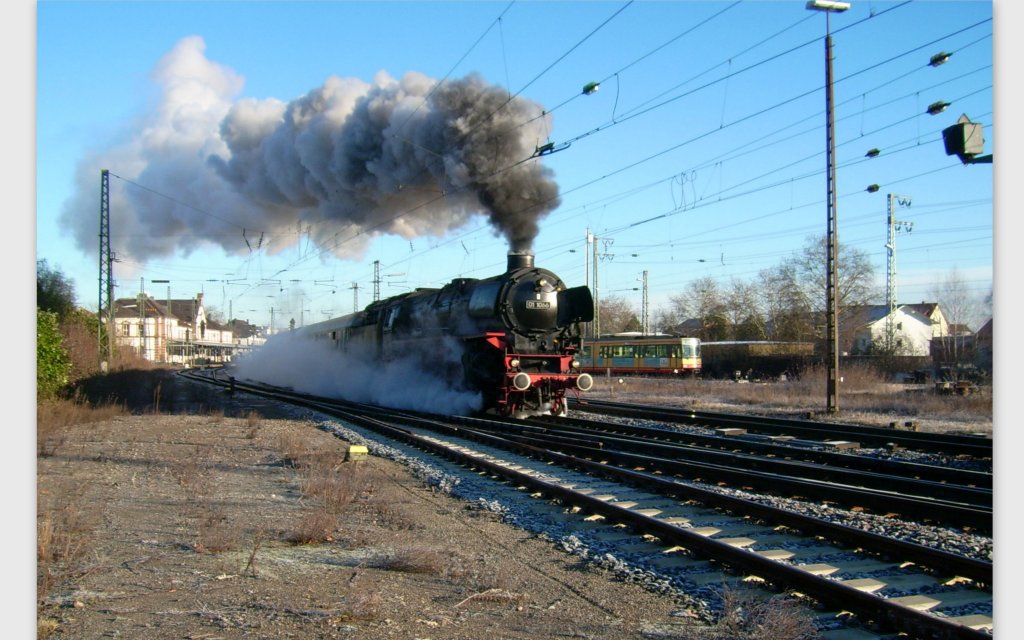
780,447
947,444
690,532
895,495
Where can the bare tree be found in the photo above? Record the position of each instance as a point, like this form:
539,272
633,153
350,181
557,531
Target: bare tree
704,302
665,320
618,315
856,274
787,311
855,286
214,314
960,308
742,309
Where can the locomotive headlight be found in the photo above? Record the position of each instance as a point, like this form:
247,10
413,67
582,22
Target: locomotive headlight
514,362
575,363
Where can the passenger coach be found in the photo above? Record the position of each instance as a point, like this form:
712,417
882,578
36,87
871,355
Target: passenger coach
639,354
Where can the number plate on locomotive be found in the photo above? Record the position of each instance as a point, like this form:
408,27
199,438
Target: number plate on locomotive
538,304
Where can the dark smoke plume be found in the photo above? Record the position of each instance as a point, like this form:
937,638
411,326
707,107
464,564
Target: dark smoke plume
348,161
404,160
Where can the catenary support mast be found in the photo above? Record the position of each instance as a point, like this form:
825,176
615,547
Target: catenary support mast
105,309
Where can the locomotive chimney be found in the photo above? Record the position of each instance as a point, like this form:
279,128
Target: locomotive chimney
519,260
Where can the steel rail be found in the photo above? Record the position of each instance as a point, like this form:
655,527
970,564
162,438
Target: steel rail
935,473
939,443
926,509
888,483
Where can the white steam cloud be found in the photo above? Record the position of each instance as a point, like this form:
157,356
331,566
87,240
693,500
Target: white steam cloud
348,161
300,363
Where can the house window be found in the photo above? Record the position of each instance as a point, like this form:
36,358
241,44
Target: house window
126,329
899,326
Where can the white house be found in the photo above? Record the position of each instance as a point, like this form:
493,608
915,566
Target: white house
914,326
171,331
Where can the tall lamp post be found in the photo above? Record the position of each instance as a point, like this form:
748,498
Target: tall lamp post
832,251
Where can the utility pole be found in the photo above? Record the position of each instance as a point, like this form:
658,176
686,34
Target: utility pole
894,226
168,334
192,340
142,318
105,310
355,296
167,323
586,258
645,321
597,297
832,251
376,280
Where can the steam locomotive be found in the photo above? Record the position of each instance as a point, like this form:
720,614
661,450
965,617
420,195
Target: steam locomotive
514,337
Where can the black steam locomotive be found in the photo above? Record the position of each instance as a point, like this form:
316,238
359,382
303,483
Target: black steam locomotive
513,337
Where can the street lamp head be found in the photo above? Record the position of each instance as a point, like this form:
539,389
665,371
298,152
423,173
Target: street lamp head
827,5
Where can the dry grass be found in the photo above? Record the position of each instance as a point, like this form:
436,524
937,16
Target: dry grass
327,483
56,418
293,447
391,516
364,606
315,526
216,532
411,558
192,474
749,616
333,482
257,541
479,574
253,424
64,534
45,628
861,389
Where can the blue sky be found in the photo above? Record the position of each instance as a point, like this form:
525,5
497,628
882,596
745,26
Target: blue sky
702,153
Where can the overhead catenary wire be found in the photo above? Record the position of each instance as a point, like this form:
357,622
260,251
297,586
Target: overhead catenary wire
552,64
474,230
